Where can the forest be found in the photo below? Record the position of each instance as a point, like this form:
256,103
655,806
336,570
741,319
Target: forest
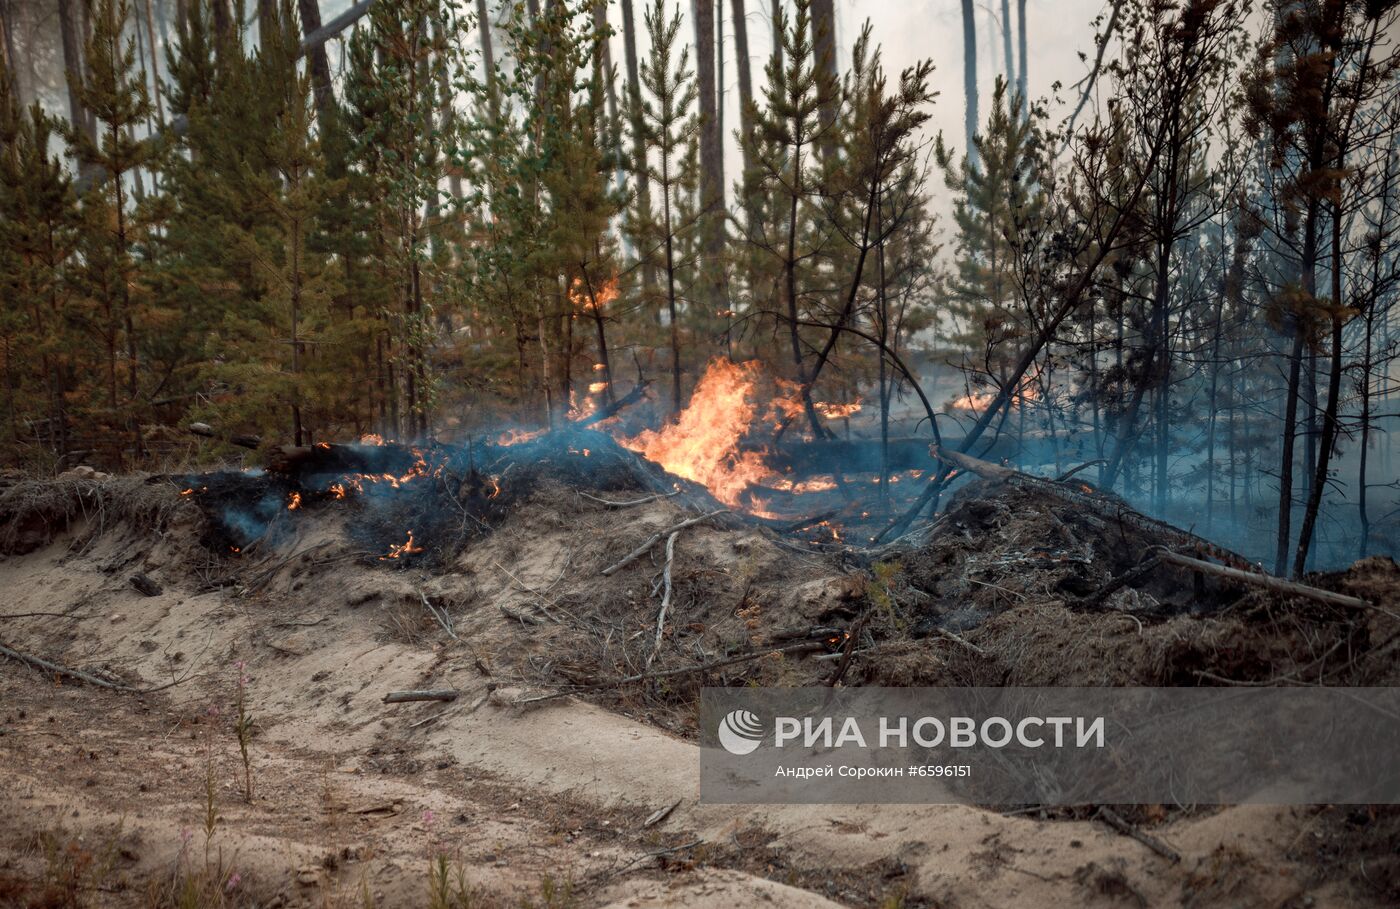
498,216
446,442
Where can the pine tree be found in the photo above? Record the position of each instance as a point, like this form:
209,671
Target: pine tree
398,56
997,207
669,129
276,384
786,131
38,223
118,102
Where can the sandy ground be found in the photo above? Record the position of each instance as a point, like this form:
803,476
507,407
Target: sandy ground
108,795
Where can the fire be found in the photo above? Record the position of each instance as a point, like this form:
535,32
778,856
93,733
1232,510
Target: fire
516,436
703,442
187,492
602,295
1027,391
581,410
371,438
596,387
294,501
338,490
401,550
838,411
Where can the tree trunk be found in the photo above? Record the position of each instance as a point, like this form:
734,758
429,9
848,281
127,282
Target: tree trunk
70,31
1006,42
223,19
671,285
970,118
155,60
711,150
824,43
321,84
639,147
741,61
1329,417
775,21
1021,70
614,125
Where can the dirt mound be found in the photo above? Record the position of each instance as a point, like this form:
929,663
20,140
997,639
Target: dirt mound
33,512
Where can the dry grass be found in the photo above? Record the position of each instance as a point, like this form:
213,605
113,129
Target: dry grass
34,511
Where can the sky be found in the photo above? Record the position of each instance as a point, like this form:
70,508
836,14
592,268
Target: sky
1057,32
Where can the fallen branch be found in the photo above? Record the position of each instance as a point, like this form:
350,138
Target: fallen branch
437,694
665,598
1119,823
1131,576
1074,470
961,641
441,616
1267,581
630,502
85,677
655,538
802,647
523,618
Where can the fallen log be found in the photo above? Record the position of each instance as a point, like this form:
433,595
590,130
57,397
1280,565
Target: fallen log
204,430
437,694
1267,581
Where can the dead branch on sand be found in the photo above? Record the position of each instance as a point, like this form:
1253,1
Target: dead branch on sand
84,677
630,502
1119,823
665,598
657,537
433,694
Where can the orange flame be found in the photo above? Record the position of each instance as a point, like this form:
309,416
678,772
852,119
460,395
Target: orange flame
371,438
602,295
838,411
294,502
703,442
401,550
516,436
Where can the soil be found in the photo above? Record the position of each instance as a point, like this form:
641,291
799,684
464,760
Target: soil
137,799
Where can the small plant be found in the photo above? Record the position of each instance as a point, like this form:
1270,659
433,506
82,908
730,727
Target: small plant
886,576
243,728
72,870
553,895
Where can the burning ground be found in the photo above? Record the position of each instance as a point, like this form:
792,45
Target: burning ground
514,570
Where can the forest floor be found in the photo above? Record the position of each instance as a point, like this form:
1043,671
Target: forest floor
118,798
